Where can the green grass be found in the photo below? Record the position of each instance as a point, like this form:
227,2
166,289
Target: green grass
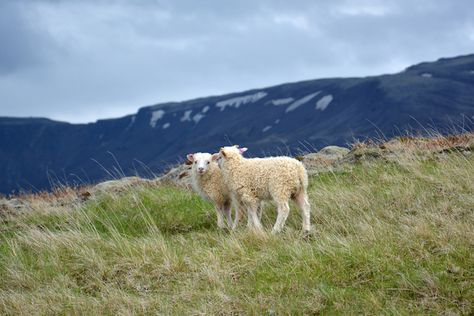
390,238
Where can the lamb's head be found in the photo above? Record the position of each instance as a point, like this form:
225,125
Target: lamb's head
230,152
200,161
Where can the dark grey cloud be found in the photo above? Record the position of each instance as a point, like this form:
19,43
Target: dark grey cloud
84,60
19,40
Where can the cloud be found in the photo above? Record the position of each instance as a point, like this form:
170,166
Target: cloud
366,8
299,22
84,60
19,40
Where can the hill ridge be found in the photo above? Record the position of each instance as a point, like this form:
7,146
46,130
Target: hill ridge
291,117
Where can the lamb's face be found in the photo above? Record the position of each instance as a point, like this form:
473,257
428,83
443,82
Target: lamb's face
200,161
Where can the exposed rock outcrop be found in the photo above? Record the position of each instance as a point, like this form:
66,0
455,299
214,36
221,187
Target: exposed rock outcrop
324,160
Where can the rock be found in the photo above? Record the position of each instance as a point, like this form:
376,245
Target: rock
334,152
453,269
116,186
179,176
13,207
324,160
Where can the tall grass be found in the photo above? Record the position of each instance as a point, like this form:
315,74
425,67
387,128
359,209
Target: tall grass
390,237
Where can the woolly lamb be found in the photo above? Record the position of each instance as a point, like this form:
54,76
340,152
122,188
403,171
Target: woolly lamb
207,181
275,178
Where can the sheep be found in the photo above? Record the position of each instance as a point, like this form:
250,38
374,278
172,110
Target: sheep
274,178
208,182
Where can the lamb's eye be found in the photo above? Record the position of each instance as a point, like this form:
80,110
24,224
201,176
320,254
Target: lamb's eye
208,162
195,162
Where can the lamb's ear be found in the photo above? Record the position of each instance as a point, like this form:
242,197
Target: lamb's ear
242,150
190,157
222,152
215,157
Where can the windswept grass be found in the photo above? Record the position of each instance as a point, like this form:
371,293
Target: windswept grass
390,238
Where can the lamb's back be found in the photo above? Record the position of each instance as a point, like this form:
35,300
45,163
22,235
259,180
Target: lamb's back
267,171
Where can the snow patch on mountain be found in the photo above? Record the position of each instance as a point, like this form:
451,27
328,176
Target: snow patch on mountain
205,109
293,106
198,117
155,116
427,75
186,116
238,101
132,121
277,121
324,102
266,128
278,102
166,125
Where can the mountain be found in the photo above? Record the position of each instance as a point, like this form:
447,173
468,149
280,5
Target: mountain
36,153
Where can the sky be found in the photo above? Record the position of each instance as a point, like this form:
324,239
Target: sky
83,60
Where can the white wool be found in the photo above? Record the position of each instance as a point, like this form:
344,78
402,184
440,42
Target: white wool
210,185
280,179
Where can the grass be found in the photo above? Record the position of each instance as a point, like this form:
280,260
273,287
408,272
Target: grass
390,238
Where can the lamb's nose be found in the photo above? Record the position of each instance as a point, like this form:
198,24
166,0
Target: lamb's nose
200,169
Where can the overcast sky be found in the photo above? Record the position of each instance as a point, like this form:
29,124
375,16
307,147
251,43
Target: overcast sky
79,61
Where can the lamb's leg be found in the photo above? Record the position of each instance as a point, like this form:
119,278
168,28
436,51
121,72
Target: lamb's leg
228,214
259,213
249,220
302,201
283,211
238,213
260,209
252,213
220,217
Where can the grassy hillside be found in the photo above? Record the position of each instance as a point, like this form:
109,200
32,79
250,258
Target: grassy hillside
391,236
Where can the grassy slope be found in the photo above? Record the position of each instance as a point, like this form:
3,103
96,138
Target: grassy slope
390,238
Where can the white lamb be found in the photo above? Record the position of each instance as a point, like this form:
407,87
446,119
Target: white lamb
207,181
274,178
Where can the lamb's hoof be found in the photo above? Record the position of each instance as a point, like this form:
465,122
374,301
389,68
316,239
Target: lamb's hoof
309,234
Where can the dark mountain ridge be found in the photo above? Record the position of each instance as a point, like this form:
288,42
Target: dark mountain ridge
36,153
